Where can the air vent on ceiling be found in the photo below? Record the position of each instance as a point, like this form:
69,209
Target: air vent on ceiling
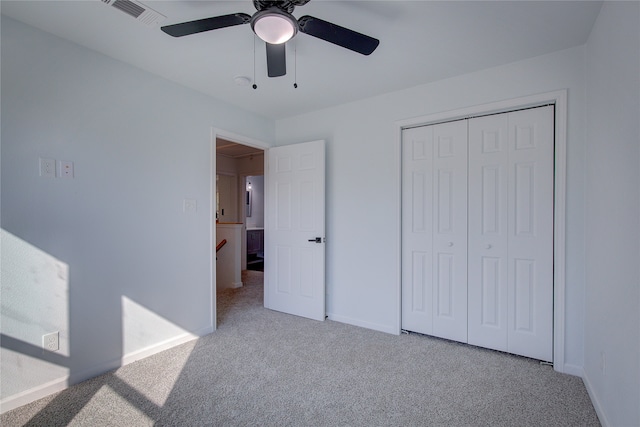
137,10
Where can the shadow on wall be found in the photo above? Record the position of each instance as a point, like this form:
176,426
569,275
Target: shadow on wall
35,332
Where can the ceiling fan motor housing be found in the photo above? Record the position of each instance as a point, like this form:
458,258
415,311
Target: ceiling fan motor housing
274,25
286,5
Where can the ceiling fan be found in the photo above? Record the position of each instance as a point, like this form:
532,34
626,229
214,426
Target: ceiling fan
274,24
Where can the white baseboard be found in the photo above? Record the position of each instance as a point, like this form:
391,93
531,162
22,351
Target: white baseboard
363,324
62,383
164,345
570,369
33,394
595,401
232,285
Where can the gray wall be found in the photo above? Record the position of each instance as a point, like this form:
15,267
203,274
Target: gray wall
139,267
612,244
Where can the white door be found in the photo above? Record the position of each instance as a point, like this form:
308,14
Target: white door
417,230
434,231
530,313
511,232
488,246
295,230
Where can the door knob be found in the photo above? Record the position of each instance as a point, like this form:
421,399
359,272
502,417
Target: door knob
450,244
488,246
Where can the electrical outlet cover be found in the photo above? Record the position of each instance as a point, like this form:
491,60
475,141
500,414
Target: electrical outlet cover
51,342
190,205
66,169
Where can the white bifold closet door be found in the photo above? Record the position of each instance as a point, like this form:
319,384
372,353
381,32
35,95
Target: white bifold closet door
511,232
434,221
477,231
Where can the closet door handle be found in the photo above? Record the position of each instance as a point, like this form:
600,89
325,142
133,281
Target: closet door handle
450,244
488,246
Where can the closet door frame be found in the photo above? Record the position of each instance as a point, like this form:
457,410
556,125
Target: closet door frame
559,99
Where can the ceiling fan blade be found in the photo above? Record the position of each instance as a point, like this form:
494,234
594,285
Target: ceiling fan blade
207,24
276,60
336,34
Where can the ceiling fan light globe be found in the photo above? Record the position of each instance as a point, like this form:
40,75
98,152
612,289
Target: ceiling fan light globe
275,28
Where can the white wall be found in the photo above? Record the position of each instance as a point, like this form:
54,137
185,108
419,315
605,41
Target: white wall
256,220
34,286
363,183
612,324
139,267
241,168
227,165
252,165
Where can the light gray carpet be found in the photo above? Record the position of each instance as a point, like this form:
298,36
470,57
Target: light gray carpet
271,369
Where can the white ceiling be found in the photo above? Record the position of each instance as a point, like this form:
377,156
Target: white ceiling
420,42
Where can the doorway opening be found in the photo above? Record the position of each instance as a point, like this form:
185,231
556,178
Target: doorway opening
254,220
237,218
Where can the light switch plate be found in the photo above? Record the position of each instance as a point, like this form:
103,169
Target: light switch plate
47,168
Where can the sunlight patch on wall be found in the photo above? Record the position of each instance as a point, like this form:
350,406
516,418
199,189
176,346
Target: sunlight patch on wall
34,301
143,329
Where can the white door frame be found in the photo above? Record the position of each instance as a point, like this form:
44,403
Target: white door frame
559,98
239,139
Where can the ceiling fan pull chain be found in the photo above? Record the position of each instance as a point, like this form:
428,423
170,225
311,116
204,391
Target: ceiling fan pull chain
255,86
295,64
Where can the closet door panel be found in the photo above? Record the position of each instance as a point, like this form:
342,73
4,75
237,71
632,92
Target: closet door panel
530,308
417,230
434,230
450,152
511,232
488,248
